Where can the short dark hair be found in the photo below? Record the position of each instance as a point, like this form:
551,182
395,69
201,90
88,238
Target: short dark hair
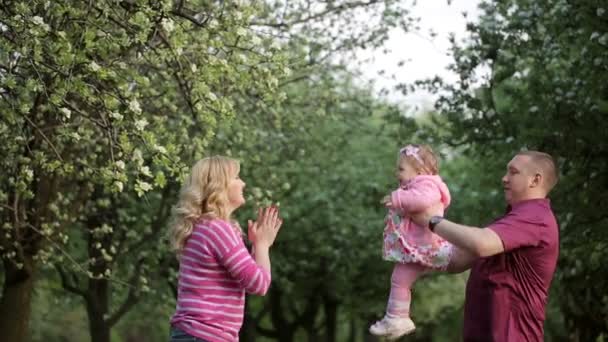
547,164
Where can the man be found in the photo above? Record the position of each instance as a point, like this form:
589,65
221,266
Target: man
512,261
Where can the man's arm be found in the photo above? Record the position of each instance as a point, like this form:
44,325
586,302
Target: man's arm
460,261
476,242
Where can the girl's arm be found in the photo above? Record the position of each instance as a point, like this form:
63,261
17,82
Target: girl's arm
417,198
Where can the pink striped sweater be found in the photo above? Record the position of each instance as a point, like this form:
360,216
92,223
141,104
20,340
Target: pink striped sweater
215,271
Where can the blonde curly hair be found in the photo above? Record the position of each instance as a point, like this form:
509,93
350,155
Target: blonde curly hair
203,195
423,159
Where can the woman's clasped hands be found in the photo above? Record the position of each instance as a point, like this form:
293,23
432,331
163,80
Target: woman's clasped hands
263,231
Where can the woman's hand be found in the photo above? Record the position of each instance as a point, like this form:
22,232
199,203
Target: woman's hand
263,231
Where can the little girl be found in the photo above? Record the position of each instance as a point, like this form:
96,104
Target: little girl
415,249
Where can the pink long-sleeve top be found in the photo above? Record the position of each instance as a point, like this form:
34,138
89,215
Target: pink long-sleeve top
215,271
420,193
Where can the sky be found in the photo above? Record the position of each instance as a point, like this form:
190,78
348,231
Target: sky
425,56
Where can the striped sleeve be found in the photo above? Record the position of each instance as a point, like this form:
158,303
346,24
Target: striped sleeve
230,251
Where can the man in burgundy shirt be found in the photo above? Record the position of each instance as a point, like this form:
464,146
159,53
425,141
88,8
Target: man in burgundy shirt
512,261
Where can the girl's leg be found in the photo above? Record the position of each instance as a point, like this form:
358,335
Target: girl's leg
404,276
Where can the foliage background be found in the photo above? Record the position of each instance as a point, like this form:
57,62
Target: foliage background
105,105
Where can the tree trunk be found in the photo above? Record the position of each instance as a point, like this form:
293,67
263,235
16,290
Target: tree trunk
352,333
100,332
284,330
308,318
247,332
331,317
308,324
367,337
97,309
15,305
97,294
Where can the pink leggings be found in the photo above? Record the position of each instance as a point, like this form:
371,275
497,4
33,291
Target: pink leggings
404,276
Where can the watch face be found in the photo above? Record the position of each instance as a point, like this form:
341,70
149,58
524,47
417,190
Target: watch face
435,219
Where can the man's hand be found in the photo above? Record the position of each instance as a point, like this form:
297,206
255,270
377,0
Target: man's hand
422,218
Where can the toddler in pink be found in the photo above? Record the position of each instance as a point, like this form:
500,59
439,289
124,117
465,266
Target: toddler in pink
413,248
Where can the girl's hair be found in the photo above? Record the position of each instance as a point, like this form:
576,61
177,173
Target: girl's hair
203,195
421,157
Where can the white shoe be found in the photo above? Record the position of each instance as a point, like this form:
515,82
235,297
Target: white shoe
392,328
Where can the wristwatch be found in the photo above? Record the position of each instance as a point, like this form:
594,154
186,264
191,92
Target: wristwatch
434,221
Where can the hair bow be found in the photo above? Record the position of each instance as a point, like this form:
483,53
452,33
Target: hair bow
411,151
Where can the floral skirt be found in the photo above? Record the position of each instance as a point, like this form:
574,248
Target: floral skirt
398,248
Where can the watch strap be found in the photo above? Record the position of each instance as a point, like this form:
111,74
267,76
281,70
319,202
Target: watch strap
434,221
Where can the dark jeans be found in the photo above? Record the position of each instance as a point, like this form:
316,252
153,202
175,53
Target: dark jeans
178,335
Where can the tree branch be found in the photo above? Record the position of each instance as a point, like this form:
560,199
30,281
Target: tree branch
132,297
329,10
65,282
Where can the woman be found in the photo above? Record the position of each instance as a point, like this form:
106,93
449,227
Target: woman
215,268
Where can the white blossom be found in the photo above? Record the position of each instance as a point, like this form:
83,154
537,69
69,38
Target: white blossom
160,149
275,45
37,20
145,186
29,173
597,61
167,24
255,40
242,58
94,66
66,112
257,192
118,185
145,171
137,156
117,116
134,106
141,124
